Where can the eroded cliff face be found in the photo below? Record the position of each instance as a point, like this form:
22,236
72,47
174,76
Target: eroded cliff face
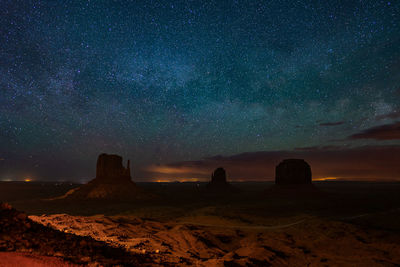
109,168
293,171
218,182
218,176
112,182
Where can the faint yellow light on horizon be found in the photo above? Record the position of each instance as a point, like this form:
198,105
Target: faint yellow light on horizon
175,170
163,181
180,179
325,179
27,180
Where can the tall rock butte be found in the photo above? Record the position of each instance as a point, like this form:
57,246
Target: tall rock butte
109,168
219,176
112,182
218,181
293,171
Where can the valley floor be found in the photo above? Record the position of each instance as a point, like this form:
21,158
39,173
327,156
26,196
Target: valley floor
330,224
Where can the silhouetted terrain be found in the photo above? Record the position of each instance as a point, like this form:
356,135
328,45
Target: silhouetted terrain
19,233
331,223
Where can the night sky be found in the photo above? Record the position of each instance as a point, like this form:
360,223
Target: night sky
173,84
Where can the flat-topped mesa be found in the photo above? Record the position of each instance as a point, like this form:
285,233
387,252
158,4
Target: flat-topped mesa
293,171
110,168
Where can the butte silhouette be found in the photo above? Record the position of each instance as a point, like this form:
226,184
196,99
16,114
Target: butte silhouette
293,180
113,182
293,171
218,182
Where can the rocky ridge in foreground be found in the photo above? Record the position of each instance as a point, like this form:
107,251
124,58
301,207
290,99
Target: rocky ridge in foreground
18,233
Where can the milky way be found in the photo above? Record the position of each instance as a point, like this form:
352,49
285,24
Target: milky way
170,81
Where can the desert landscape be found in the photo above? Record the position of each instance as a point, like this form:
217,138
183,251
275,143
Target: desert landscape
330,224
212,133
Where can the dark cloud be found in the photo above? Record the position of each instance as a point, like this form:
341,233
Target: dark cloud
382,132
331,123
368,162
313,148
392,115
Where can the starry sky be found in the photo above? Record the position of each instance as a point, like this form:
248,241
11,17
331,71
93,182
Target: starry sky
173,84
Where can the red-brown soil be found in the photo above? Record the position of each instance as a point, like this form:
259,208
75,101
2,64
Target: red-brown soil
212,241
18,233
15,259
330,224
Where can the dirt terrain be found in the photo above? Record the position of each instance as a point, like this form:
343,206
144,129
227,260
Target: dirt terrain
212,241
38,242
13,259
330,224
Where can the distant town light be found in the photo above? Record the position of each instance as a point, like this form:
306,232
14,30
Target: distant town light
325,179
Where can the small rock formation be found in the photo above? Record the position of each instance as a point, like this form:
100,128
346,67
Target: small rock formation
293,171
112,182
219,176
218,181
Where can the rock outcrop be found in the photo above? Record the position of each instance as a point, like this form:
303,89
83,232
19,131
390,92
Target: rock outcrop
18,233
293,171
112,182
219,177
110,169
218,181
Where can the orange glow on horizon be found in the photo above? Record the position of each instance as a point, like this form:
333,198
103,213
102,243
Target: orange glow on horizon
175,170
27,180
181,180
325,179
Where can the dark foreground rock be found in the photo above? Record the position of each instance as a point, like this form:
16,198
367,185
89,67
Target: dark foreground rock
293,171
20,234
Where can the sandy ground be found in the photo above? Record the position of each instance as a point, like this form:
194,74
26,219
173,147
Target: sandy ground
213,241
334,224
14,259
